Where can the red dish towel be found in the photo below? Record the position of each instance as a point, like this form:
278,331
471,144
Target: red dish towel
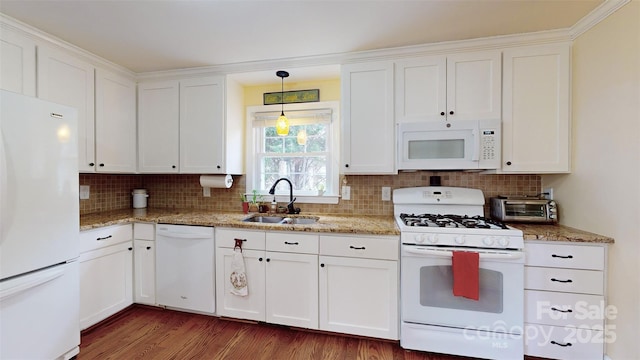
465,265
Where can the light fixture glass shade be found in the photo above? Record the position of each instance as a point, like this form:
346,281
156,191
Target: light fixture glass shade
302,137
282,125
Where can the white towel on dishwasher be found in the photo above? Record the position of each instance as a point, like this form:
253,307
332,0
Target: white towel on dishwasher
238,277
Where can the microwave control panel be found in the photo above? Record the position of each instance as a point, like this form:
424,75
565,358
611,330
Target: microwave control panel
488,145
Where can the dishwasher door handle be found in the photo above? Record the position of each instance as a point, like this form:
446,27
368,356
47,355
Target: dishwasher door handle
180,235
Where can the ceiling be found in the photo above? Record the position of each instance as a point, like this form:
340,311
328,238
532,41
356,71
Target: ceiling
155,35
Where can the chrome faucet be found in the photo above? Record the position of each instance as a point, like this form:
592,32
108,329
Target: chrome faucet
290,208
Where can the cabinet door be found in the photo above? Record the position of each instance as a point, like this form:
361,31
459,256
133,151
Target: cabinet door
535,123
115,123
421,89
18,59
359,296
158,127
368,126
252,306
66,80
106,278
474,86
144,281
202,127
292,289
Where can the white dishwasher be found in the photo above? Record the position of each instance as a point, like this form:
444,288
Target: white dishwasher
185,268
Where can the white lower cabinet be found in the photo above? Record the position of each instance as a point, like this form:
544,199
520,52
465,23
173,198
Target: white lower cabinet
282,277
106,273
565,307
359,285
144,262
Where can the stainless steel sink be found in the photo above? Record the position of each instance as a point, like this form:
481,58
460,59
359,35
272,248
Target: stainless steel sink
281,220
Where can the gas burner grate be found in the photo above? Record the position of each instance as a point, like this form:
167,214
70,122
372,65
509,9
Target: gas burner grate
451,221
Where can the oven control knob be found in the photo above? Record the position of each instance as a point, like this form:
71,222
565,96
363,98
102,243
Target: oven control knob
487,241
503,241
419,238
460,239
433,238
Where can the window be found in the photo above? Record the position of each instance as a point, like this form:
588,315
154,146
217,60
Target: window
311,166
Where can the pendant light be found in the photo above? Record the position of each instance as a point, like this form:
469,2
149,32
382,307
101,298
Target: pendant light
282,124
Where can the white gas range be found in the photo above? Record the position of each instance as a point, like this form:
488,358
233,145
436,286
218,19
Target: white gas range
483,315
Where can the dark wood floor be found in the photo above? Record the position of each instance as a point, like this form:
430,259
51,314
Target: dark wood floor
150,333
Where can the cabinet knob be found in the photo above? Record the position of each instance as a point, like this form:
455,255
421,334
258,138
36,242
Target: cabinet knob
173,166
508,162
148,247
101,165
259,259
268,259
346,165
442,113
92,164
451,112
130,248
218,167
321,265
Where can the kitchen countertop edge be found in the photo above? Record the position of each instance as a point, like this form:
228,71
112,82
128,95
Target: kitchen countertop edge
365,224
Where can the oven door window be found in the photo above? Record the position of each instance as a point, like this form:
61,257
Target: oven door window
532,210
435,290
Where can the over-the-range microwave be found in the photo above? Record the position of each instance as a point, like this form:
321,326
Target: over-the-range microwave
455,145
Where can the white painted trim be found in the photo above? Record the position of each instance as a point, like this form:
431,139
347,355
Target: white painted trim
598,14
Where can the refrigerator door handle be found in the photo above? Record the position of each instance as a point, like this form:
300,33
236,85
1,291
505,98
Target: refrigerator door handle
29,282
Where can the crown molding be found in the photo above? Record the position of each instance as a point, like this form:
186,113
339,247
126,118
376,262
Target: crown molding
598,14
42,38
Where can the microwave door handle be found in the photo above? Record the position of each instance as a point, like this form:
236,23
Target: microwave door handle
476,139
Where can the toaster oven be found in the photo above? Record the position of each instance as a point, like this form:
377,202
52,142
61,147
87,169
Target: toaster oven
519,209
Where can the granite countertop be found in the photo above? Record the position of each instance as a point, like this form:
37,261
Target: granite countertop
371,225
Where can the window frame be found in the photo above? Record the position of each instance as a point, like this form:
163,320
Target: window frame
333,168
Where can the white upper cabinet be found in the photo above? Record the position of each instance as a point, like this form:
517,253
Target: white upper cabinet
18,59
368,126
202,125
535,123
115,123
184,127
464,86
67,80
158,127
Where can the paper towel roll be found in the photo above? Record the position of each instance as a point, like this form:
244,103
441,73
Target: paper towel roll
216,181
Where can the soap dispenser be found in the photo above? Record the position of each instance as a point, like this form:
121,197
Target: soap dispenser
274,205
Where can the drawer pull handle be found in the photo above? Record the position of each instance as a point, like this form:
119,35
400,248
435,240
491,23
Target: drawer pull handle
563,345
356,248
104,238
291,243
560,310
562,257
562,281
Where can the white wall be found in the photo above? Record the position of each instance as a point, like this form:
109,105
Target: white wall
602,194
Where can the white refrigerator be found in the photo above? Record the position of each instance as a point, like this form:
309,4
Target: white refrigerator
39,229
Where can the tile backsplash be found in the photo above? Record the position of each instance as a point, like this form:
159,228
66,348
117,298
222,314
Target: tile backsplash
113,192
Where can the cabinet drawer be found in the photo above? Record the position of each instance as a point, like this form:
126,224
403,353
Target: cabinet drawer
565,256
560,309
104,236
362,247
292,242
563,342
567,280
254,240
144,231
